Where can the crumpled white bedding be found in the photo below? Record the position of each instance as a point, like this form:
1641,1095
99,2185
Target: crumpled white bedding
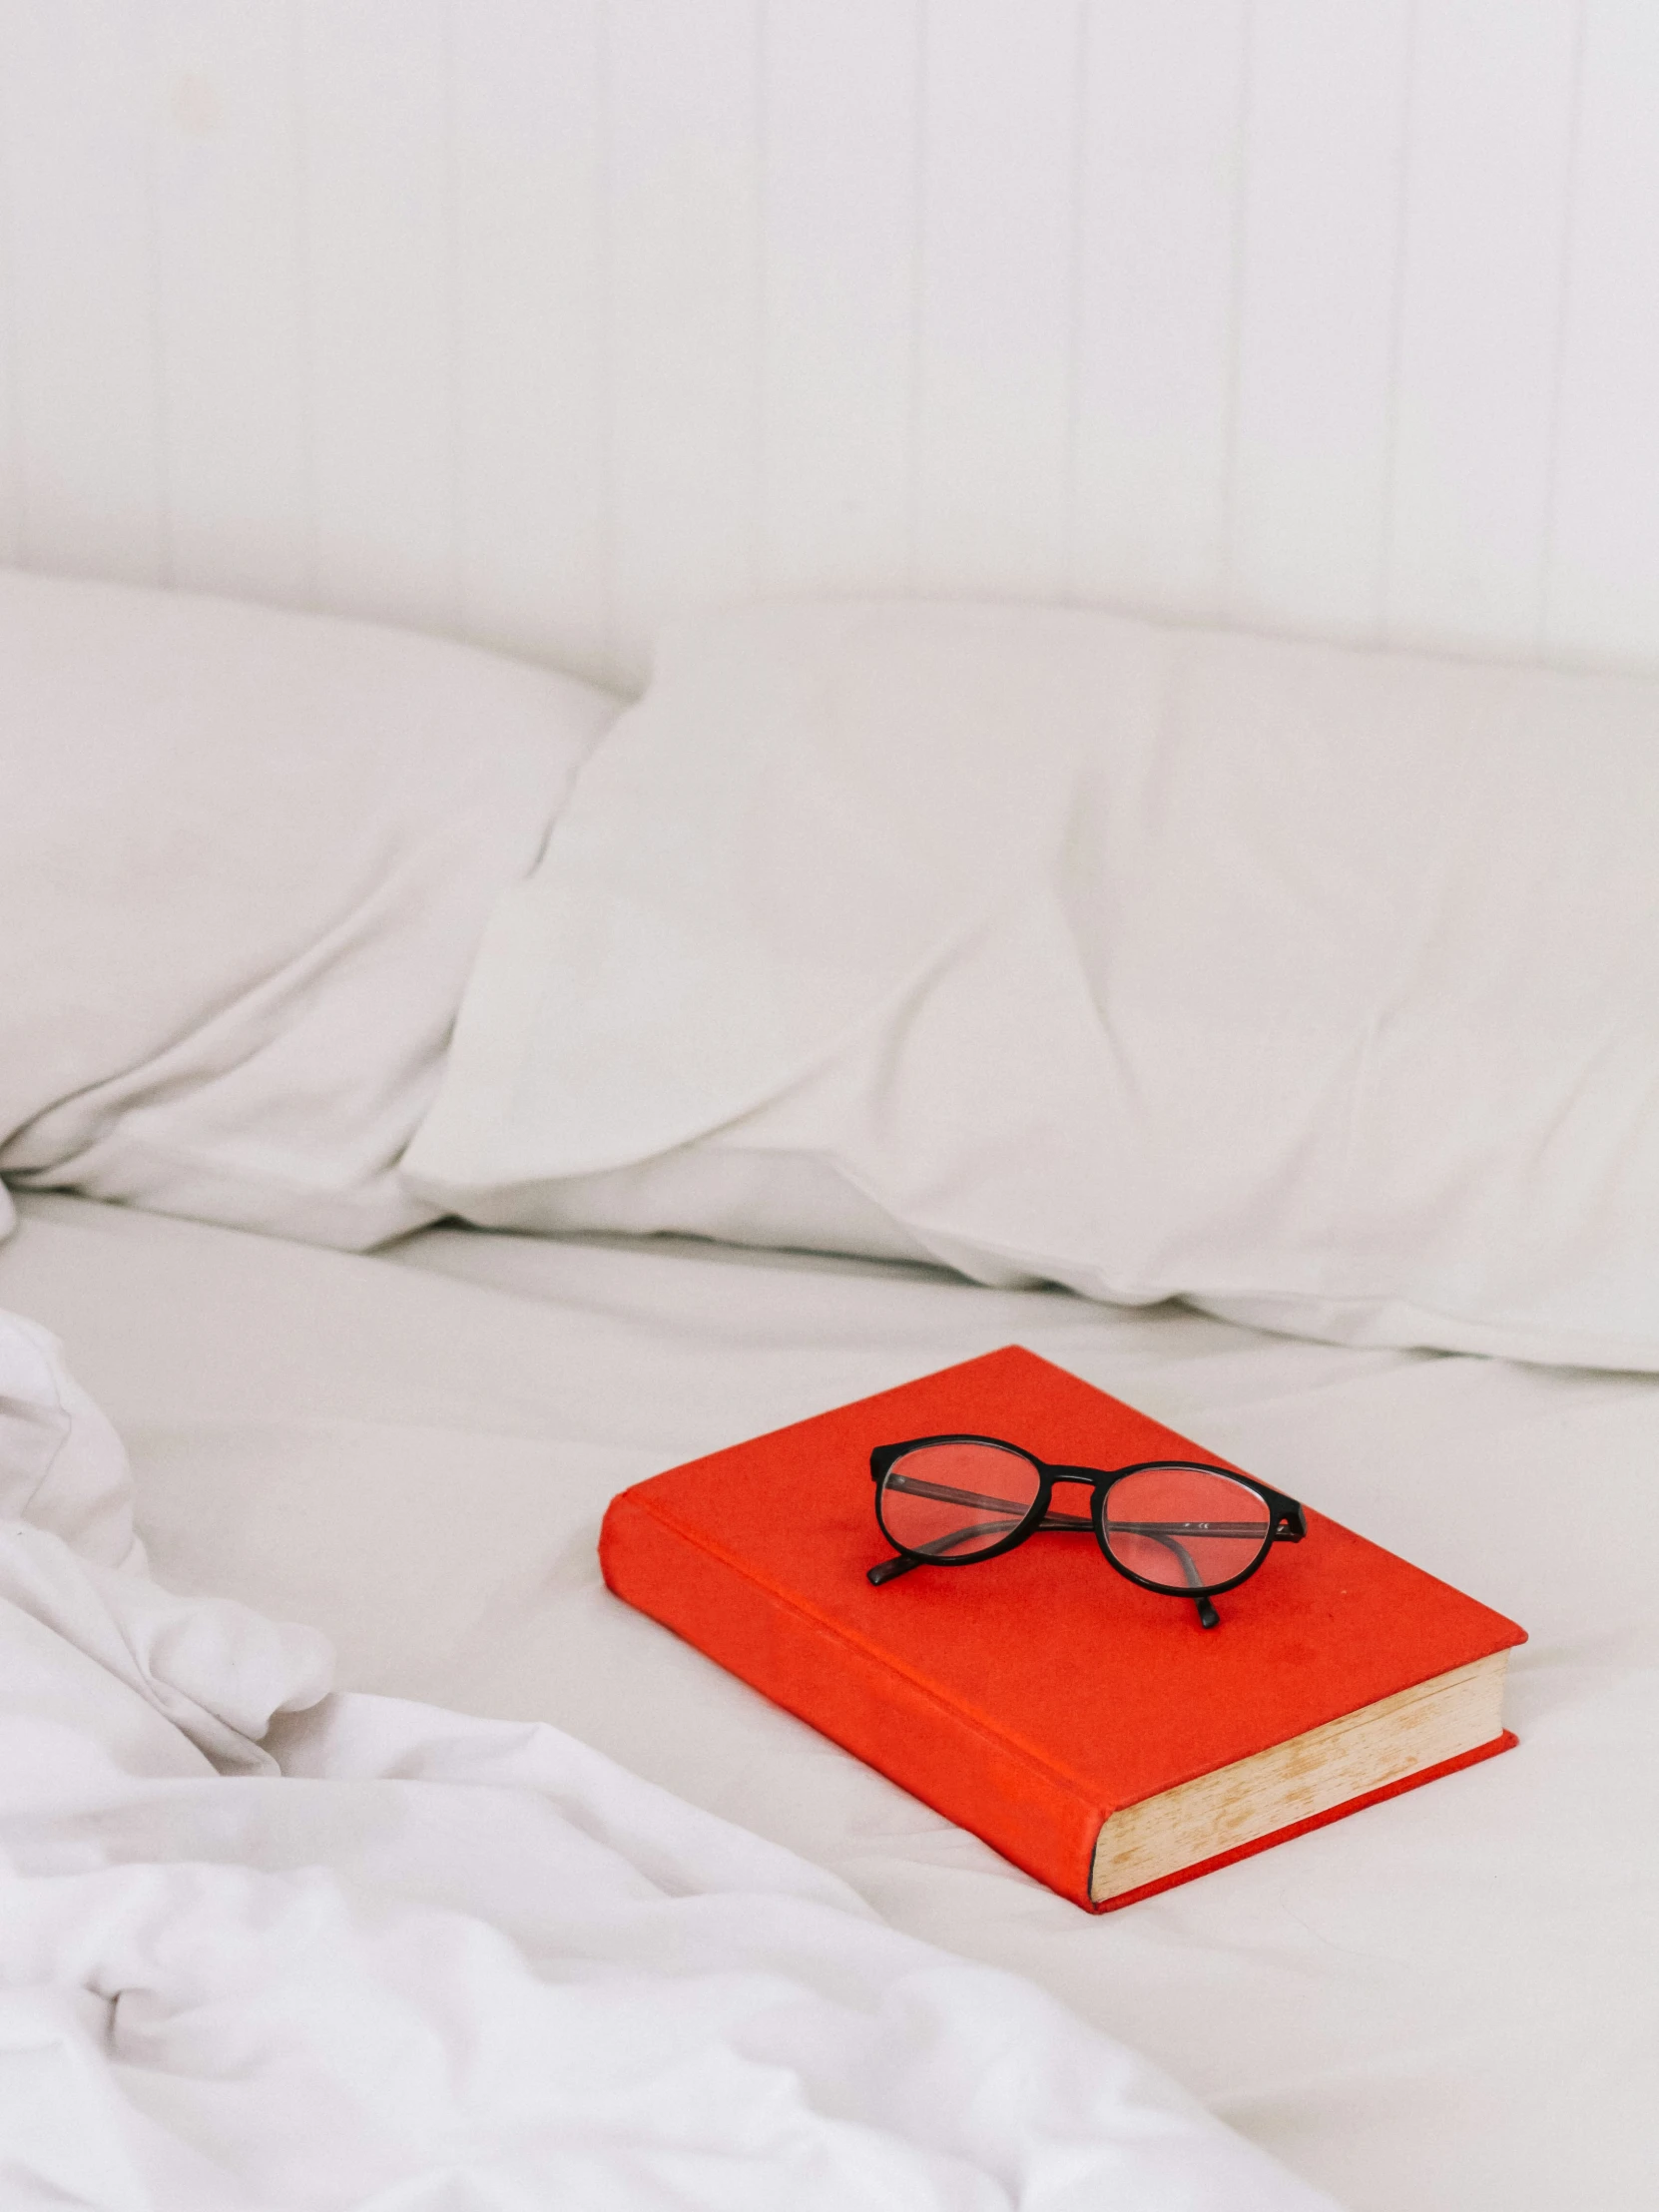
263,1943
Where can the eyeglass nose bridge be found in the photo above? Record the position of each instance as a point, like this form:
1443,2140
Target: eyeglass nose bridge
1047,1517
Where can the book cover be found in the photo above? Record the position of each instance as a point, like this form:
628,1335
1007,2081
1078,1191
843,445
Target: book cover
1036,1696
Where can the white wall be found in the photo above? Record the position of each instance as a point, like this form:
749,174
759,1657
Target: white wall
535,319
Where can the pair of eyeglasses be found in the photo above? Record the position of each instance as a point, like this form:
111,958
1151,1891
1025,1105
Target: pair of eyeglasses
1179,1527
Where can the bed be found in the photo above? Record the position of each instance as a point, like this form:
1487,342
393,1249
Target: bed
1446,2002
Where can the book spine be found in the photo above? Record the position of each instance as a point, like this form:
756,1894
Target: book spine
917,1738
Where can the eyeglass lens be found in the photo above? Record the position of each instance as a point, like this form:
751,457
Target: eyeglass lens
1184,1528
954,1501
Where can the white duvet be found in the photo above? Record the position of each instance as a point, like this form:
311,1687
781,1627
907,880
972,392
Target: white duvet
267,1944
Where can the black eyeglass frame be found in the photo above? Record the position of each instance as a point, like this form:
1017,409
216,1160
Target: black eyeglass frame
1285,1523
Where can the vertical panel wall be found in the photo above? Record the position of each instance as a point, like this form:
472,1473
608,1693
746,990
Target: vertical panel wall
1161,117
87,471
538,320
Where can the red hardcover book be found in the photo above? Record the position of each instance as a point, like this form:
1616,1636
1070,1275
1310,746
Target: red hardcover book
1091,1730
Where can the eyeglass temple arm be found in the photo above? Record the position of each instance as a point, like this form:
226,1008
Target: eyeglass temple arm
890,1570
1208,1617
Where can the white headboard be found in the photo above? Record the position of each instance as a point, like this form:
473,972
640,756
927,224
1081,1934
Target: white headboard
536,319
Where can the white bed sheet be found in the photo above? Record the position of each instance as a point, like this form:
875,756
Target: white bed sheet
1448,2001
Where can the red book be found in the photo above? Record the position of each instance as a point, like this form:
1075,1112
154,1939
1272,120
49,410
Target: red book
1089,1730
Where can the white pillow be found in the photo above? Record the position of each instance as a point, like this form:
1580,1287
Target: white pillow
247,859
1320,987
